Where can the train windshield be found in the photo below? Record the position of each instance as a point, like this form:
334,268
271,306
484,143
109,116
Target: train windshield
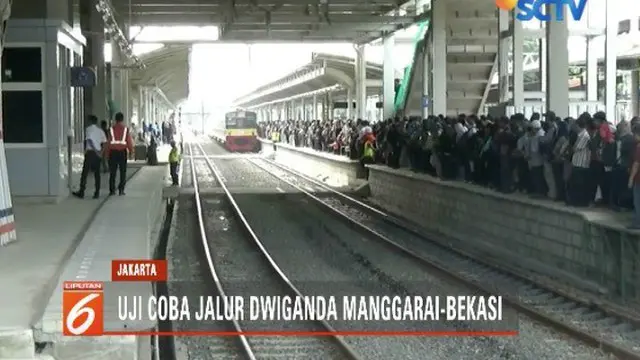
248,121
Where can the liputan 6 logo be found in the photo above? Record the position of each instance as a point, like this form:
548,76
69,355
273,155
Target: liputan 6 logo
82,308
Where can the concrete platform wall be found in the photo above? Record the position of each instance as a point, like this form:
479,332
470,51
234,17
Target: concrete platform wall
548,239
584,250
333,169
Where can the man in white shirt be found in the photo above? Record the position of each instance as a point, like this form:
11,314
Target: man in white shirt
95,139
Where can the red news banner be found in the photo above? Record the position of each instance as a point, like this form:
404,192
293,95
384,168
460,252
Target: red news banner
83,301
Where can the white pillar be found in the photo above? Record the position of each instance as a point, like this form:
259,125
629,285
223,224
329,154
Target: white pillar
635,83
610,61
592,69
427,105
557,64
292,110
314,111
542,64
330,106
517,78
439,59
140,105
503,54
149,106
126,98
388,78
592,57
349,104
361,83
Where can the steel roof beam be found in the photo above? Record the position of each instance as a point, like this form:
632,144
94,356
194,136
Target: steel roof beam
273,37
195,11
355,27
346,19
209,19
171,43
124,8
261,3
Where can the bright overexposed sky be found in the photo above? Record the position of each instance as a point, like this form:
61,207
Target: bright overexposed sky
221,73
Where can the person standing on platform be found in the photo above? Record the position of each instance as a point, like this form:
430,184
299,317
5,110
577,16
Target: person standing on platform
120,147
94,146
174,162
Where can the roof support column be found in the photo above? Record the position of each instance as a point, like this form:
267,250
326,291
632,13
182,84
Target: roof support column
635,84
592,70
349,104
152,108
388,78
517,78
557,90
426,84
314,112
126,100
147,105
292,110
610,62
140,105
330,107
592,58
542,63
361,83
118,81
304,110
503,55
439,59
95,98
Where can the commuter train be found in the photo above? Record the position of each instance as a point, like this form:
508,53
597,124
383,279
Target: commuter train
238,131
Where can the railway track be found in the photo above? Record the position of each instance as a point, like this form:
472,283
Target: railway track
613,332
233,262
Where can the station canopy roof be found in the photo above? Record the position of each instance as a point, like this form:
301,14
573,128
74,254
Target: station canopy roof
359,21
324,73
168,69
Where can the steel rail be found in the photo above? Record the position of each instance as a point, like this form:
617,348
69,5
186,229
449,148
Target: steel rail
203,236
351,354
513,301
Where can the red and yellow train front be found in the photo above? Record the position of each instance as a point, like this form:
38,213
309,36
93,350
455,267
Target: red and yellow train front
241,139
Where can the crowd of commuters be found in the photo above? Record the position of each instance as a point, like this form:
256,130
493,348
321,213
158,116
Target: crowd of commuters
582,162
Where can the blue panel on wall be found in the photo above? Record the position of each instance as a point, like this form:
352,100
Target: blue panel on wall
83,76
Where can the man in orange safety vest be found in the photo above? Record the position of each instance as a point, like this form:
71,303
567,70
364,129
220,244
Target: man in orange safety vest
120,147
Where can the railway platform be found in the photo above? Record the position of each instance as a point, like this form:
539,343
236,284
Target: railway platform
334,170
73,240
586,250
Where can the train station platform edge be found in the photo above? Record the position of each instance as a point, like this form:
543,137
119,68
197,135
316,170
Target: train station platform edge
585,250
49,238
589,250
121,230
